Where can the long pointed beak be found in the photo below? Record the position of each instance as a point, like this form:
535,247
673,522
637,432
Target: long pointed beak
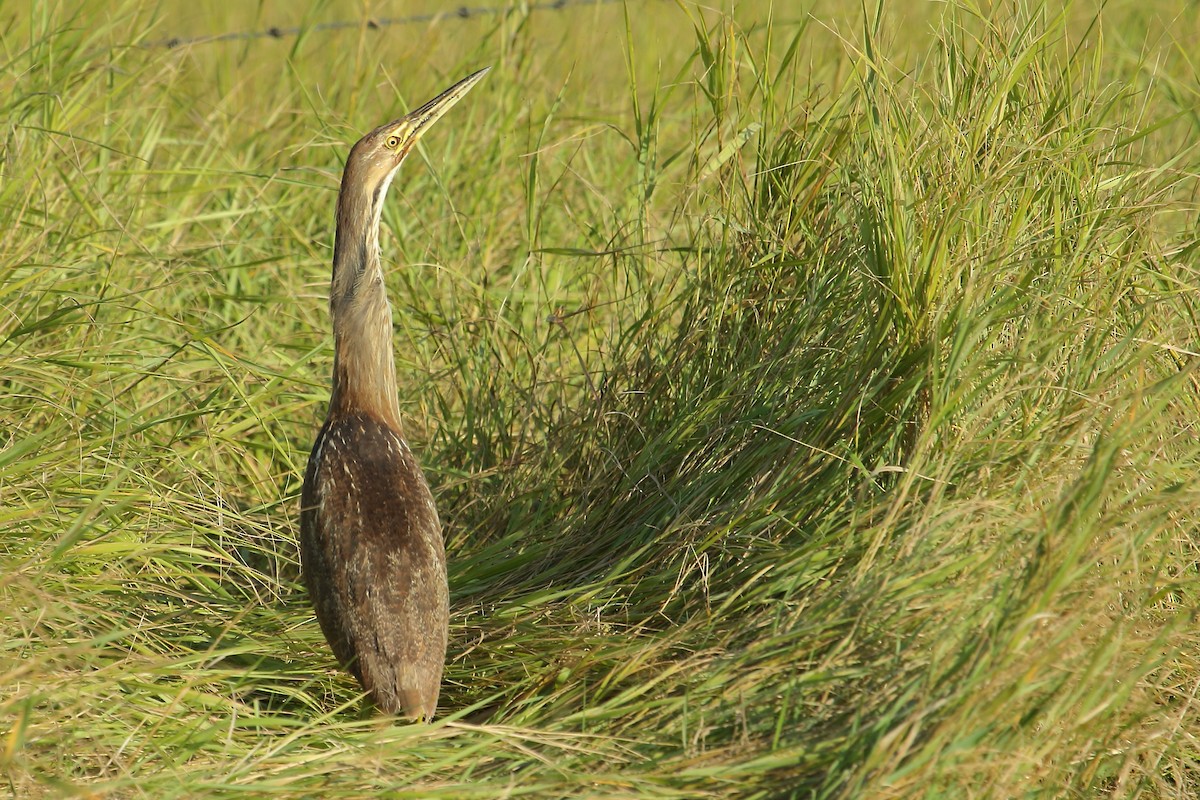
415,123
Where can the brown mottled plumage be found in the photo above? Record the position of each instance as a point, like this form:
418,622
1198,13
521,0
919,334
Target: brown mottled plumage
370,539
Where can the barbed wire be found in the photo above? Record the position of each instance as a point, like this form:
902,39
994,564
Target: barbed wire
373,23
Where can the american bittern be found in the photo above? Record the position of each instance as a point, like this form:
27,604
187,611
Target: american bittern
370,539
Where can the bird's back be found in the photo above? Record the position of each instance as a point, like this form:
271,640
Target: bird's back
374,562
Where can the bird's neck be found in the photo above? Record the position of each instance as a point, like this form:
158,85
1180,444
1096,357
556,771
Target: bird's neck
364,368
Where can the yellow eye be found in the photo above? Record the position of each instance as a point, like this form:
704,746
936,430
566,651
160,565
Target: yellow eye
392,142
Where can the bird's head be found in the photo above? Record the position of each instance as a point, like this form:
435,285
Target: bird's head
375,158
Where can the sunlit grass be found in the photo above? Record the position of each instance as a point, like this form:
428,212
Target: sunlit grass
810,401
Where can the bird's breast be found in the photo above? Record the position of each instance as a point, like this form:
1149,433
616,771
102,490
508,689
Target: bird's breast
364,487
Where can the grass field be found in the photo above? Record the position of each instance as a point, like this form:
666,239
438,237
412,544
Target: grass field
810,396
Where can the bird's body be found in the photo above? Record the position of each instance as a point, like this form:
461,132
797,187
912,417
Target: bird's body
374,562
370,539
